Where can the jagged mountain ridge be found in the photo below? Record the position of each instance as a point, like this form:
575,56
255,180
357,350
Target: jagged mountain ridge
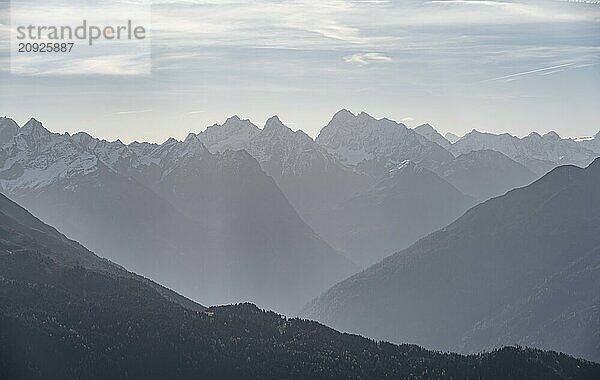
315,179
374,146
538,153
213,226
320,182
67,314
323,190
311,178
234,134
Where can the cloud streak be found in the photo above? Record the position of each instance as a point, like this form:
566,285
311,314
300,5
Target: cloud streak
131,112
363,59
544,70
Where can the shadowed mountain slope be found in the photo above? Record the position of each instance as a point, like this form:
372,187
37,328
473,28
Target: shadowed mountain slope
503,273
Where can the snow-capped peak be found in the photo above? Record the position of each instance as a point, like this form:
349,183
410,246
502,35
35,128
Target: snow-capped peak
234,134
360,139
275,126
34,128
538,153
342,115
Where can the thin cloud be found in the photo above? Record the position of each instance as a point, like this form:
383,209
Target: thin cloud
367,58
132,112
515,76
551,72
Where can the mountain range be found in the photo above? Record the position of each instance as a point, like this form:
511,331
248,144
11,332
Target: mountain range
484,174
348,161
213,226
65,313
239,213
310,177
521,268
538,153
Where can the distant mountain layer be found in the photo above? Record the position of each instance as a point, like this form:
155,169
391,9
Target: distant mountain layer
405,205
340,201
538,153
484,174
337,196
518,269
213,226
67,314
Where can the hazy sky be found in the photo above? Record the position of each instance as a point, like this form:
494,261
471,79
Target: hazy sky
498,66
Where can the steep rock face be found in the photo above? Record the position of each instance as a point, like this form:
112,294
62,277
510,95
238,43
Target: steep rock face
234,134
311,178
405,205
320,181
484,174
374,146
8,129
213,226
465,286
68,314
344,204
68,185
538,153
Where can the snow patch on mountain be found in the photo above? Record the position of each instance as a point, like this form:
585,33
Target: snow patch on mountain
37,158
234,134
357,139
538,153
